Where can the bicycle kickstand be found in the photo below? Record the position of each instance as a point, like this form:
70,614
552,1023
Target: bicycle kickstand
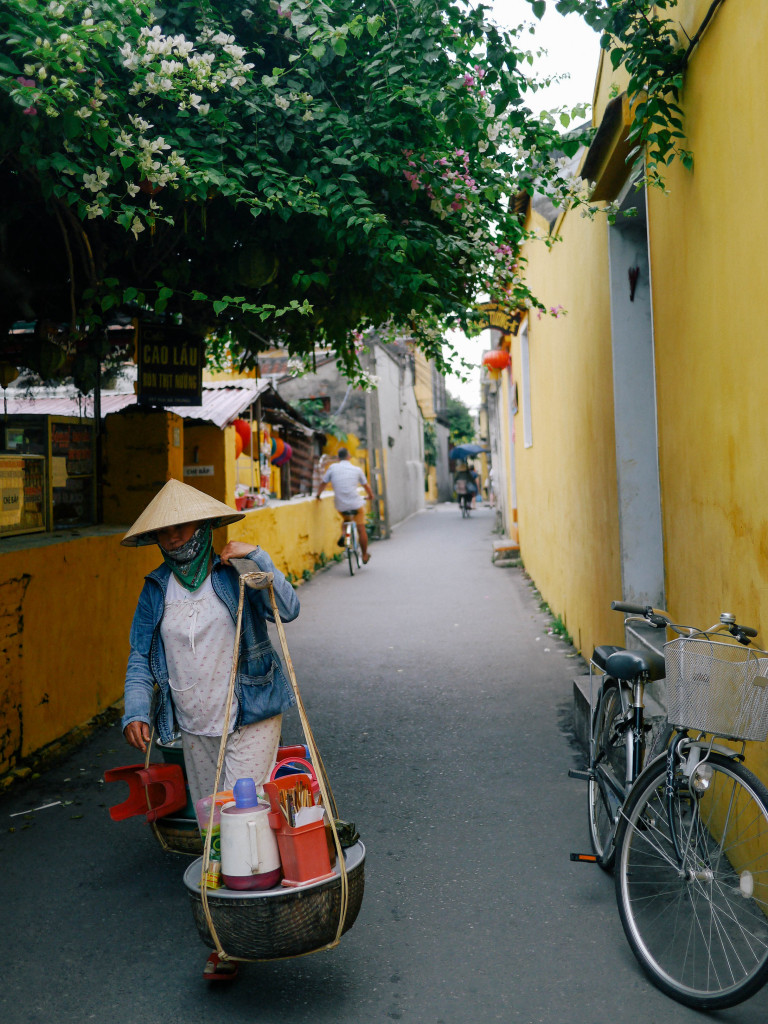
586,776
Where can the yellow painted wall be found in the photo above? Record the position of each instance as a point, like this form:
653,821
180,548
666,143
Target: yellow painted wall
205,445
66,606
142,449
566,482
65,614
294,534
710,280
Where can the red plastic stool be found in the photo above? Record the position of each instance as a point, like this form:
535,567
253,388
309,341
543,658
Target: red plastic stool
154,790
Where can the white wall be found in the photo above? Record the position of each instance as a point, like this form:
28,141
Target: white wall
402,433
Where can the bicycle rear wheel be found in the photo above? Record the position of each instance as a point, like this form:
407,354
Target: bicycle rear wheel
607,787
356,546
351,549
699,928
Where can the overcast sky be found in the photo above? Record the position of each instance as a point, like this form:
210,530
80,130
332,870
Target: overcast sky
573,49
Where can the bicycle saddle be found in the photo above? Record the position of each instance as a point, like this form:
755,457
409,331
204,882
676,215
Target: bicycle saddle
635,665
601,654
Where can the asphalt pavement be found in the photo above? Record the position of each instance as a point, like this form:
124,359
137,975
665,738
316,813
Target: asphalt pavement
441,705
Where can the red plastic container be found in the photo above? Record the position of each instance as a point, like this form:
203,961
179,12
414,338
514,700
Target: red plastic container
303,850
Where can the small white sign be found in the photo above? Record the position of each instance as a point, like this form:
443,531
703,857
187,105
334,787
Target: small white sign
198,471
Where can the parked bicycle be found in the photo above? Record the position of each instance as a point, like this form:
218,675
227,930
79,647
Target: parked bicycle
351,542
687,827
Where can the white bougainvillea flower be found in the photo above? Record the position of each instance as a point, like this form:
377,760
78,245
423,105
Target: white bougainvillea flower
96,181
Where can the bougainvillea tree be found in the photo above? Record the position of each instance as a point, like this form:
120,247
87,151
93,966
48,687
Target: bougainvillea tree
267,172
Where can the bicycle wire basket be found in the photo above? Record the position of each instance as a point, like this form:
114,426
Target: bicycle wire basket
717,687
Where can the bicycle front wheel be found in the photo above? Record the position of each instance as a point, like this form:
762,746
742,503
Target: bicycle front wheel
606,788
692,881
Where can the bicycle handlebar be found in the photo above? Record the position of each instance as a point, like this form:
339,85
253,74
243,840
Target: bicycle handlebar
648,612
746,630
632,609
660,620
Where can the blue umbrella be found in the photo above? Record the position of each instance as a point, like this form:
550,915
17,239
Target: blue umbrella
466,451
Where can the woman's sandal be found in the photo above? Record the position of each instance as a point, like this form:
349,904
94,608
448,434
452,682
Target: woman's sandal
217,969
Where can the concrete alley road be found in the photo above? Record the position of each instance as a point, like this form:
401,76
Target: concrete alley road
441,707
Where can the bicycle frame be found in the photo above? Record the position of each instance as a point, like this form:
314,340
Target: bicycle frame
629,725
351,541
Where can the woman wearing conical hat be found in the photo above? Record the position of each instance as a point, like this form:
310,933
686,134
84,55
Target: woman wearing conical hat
182,641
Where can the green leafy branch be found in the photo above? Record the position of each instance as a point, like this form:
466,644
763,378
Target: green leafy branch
649,47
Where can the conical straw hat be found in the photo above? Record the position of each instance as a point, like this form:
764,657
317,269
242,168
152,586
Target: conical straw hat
178,503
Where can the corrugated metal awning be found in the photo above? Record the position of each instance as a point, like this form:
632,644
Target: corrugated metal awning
223,402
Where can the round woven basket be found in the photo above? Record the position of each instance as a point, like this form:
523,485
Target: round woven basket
181,835
280,922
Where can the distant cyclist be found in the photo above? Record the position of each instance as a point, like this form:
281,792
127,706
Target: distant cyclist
345,479
465,487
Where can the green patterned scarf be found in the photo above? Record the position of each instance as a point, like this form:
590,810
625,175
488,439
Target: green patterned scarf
189,563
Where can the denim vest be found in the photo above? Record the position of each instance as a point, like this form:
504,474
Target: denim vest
261,688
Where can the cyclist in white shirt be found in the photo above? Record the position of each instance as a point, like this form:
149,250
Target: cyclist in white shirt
345,479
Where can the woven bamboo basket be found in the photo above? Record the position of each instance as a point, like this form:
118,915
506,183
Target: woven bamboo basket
180,835
281,922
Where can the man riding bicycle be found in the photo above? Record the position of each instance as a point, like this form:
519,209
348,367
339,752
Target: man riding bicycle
345,479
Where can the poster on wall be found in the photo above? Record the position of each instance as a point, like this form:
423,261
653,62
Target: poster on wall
11,493
22,495
170,366
72,463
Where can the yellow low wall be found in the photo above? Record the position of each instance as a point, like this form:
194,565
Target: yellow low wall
296,535
66,604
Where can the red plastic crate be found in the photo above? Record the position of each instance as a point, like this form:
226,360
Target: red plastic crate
303,850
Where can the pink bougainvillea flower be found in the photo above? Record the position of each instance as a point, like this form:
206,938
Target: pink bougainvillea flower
28,82
468,80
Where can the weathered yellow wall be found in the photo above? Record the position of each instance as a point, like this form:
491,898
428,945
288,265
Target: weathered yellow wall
566,482
142,449
296,534
65,614
205,445
430,491
710,281
66,605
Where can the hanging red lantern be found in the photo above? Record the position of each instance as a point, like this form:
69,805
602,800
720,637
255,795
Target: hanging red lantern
238,446
243,429
498,359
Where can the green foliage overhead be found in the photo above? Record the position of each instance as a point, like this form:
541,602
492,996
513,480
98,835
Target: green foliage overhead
314,413
648,44
278,172
461,426
430,444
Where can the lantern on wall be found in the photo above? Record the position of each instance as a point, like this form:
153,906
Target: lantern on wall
280,460
243,429
278,449
497,360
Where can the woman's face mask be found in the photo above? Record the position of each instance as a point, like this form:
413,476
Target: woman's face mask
188,560
171,538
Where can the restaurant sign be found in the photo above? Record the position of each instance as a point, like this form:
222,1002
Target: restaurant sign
170,366
500,318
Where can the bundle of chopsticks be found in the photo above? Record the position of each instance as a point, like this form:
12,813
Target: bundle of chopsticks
293,799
